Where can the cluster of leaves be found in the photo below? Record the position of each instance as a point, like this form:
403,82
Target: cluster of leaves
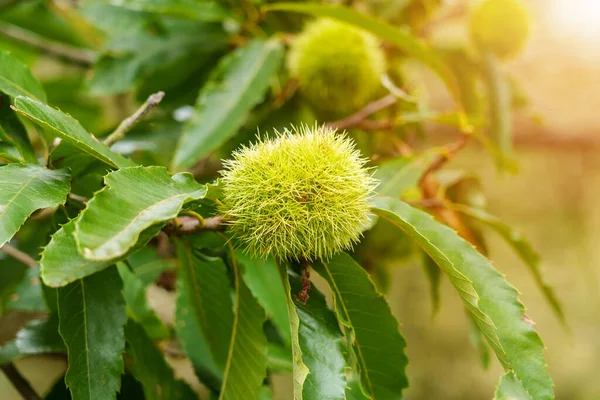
87,225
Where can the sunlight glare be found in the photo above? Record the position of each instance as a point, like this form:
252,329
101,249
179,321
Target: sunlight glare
579,19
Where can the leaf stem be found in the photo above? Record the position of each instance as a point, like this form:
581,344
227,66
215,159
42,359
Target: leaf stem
19,255
128,123
19,382
52,48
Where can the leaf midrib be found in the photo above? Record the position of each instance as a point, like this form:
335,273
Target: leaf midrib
356,342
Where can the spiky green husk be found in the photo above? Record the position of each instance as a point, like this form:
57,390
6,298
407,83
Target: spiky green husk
339,67
500,26
301,196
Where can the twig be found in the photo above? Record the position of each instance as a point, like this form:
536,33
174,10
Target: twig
52,48
19,255
449,152
78,198
19,382
128,123
370,109
190,225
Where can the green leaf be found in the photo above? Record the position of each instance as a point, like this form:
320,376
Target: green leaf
141,45
354,391
8,352
378,344
280,359
402,173
69,130
234,88
509,388
62,264
190,9
522,247
16,79
26,188
263,280
402,39
12,131
320,339
499,108
132,200
40,336
477,338
300,370
28,295
134,292
9,152
246,366
92,316
433,273
489,298
151,369
204,317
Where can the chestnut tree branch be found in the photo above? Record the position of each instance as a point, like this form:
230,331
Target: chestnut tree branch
129,122
189,225
19,382
19,255
52,48
357,118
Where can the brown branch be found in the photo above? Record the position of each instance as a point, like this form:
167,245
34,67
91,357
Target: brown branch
52,48
357,118
19,382
449,152
128,123
189,225
78,198
19,255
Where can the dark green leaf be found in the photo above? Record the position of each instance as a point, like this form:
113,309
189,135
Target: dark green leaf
280,359
489,298
320,339
134,292
40,336
523,248
404,40
151,369
300,370
235,87
28,294
192,9
26,188
378,344
204,318
69,130
61,263
92,315
509,388
433,273
354,391
13,132
136,52
148,265
17,80
263,279
246,366
132,200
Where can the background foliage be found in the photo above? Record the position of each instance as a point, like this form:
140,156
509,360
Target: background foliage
221,66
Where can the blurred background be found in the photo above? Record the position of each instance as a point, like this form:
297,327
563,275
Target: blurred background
553,201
